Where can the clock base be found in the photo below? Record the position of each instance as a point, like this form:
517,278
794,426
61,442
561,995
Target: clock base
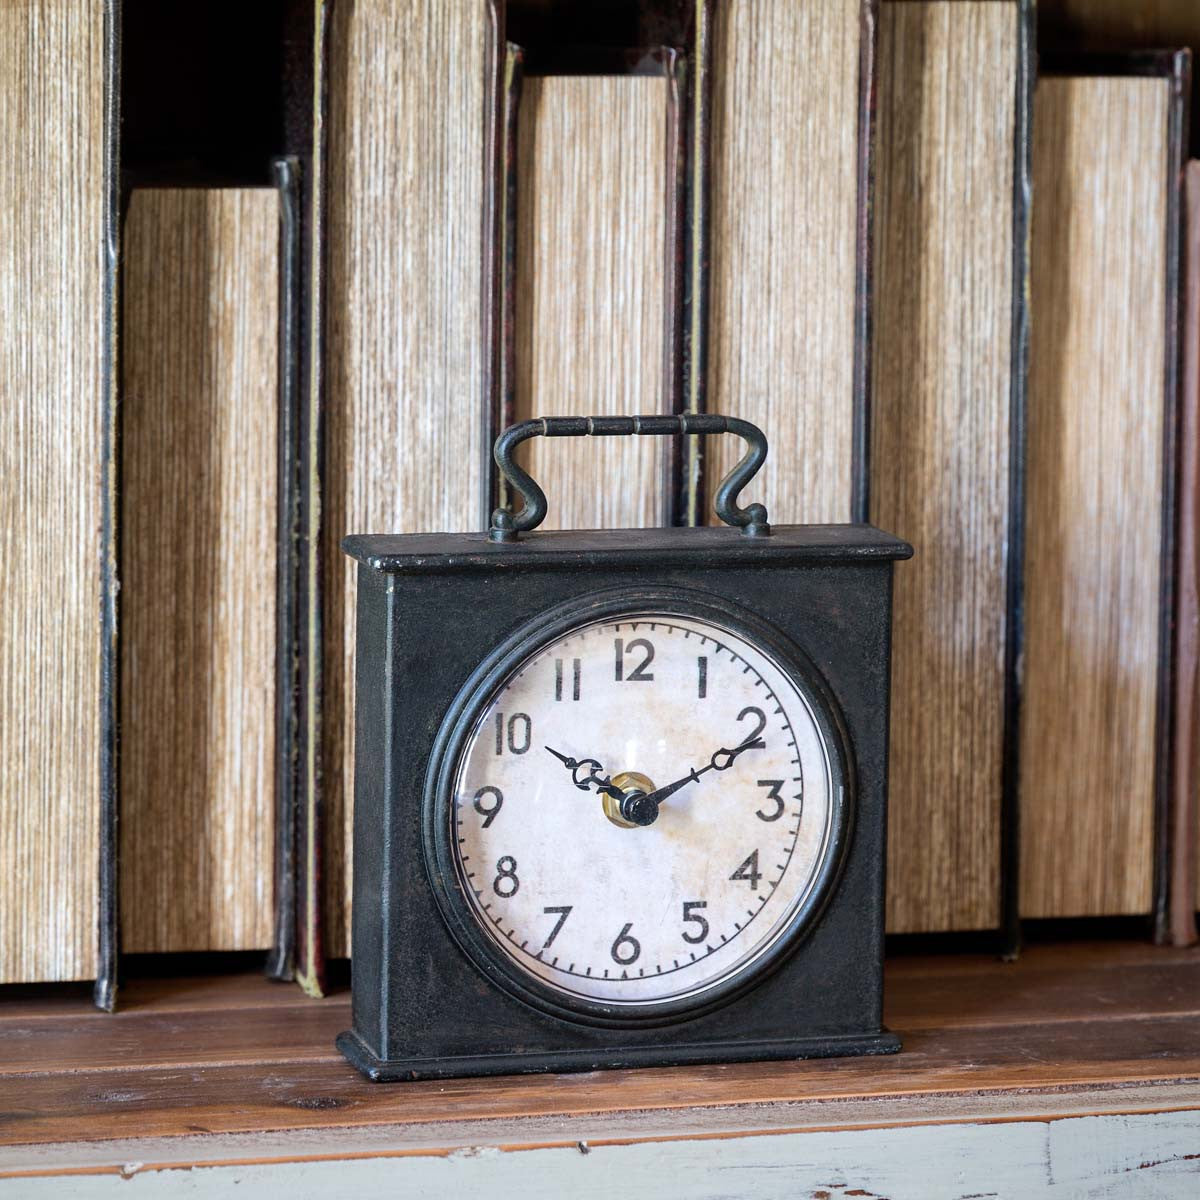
380,1070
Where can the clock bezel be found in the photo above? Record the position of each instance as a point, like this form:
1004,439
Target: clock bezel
460,721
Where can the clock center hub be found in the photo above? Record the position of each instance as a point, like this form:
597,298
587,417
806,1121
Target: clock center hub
631,811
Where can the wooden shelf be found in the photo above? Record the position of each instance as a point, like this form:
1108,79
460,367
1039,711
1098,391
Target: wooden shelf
236,1070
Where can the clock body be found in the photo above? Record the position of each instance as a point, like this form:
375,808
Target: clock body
620,799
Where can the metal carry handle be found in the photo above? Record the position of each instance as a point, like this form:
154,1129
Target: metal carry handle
752,520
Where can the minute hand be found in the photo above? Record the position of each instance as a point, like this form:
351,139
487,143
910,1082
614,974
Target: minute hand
722,760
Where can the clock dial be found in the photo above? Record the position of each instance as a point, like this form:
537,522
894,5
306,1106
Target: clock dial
642,808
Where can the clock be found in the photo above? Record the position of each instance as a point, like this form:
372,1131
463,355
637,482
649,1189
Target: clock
620,796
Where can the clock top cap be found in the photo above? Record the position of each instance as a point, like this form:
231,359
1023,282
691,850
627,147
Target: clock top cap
706,546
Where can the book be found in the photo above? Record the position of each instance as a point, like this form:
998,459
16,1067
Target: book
1183,898
787,340
1097,715
589,288
198,568
400,162
57,284
949,371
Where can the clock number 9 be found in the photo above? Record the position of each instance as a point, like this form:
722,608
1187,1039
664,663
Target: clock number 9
506,882
517,744
488,814
626,957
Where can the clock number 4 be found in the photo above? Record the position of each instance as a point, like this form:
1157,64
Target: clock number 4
639,674
520,733
576,668
749,871
694,918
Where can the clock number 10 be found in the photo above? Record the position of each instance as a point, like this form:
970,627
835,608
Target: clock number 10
519,733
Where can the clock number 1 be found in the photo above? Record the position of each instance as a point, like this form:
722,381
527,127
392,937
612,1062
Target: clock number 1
520,733
702,671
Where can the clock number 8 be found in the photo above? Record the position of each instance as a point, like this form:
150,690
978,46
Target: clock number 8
630,955
506,882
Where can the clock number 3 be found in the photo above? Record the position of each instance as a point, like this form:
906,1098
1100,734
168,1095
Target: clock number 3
506,882
639,674
774,787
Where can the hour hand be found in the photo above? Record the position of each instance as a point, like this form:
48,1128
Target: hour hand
593,778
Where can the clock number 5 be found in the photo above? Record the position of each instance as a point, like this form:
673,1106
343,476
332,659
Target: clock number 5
695,919
632,947
639,674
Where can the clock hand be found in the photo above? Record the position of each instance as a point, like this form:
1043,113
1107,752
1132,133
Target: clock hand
722,760
600,782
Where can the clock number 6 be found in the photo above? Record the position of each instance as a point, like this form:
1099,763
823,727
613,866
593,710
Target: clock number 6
626,957
689,916
506,882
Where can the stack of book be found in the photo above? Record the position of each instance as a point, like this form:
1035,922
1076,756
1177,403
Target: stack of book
947,277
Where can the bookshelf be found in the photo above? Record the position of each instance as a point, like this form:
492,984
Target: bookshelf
1092,1032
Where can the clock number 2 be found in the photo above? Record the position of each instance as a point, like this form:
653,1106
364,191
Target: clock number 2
520,733
639,674
506,882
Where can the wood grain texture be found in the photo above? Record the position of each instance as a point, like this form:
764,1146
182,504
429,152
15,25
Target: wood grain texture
590,288
200,404
983,1037
783,256
403,385
51,401
942,375
1095,473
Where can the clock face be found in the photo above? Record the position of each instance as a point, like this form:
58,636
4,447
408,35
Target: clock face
644,808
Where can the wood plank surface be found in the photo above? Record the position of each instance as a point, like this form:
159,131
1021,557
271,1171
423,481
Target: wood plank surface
51,414
783,257
1094,507
200,403
940,409
403,385
590,288
1062,1017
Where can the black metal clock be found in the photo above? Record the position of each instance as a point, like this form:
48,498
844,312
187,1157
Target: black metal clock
620,796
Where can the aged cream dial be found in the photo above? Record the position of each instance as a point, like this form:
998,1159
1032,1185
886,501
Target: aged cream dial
642,808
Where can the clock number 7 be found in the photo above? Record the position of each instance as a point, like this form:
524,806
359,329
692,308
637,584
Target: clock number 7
563,911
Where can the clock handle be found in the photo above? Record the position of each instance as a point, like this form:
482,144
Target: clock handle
752,520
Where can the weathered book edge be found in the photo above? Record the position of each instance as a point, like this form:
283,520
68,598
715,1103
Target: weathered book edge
107,918
1174,66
